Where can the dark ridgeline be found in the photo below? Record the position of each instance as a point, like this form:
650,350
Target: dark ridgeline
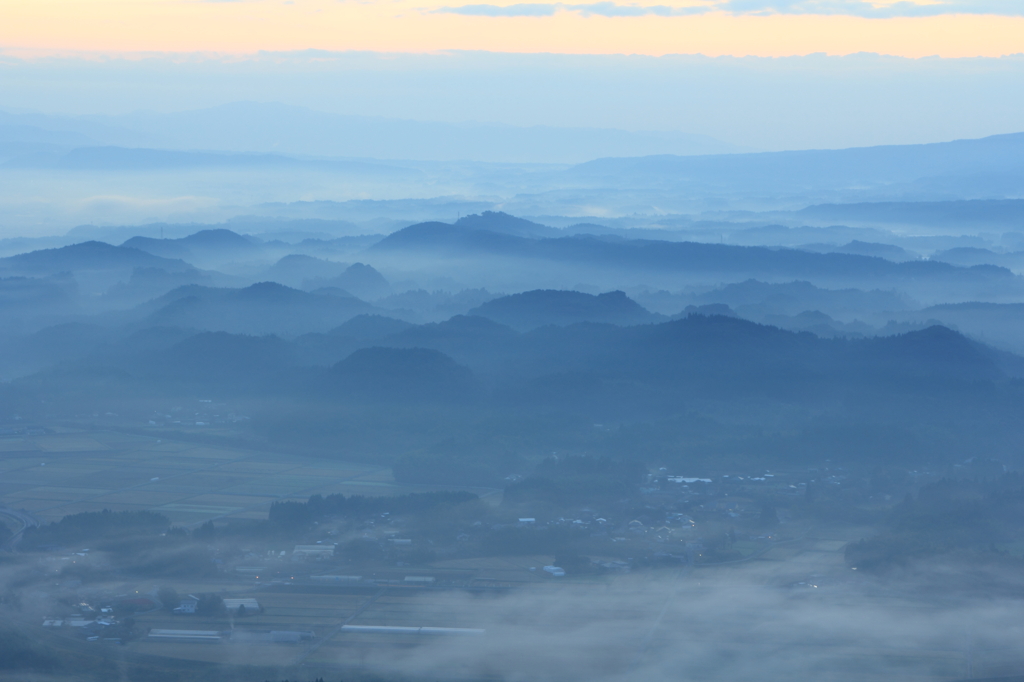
533,309
87,256
928,395
201,248
444,240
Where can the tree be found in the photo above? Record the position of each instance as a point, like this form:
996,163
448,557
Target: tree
205,532
168,596
290,515
210,605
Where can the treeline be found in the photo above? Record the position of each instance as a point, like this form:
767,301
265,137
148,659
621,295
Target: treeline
88,527
977,516
292,514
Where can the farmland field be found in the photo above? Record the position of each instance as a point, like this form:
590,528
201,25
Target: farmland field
53,475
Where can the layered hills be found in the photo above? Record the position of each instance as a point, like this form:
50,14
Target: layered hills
263,308
702,384
584,255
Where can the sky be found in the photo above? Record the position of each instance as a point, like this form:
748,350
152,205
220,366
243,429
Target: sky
758,103
755,74
767,28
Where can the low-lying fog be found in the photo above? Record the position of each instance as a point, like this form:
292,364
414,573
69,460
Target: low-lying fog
763,621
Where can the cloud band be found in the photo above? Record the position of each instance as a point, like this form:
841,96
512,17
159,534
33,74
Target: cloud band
857,8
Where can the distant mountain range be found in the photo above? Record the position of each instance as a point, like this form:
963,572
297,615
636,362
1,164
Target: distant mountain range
960,216
149,281
358,279
980,160
628,369
132,159
442,242
965,166
262,128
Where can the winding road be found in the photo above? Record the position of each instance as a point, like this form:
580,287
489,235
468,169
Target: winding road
24,518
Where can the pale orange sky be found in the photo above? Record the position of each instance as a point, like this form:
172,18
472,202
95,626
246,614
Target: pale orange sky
32,27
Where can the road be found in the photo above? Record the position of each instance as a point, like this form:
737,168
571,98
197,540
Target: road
24,518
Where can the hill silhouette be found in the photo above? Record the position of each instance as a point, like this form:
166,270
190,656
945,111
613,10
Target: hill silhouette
532,309
886,251
294,269
503,223
263,308
203,247
359,279
454,239
425,241
935,351
476,341
400,375
87,256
